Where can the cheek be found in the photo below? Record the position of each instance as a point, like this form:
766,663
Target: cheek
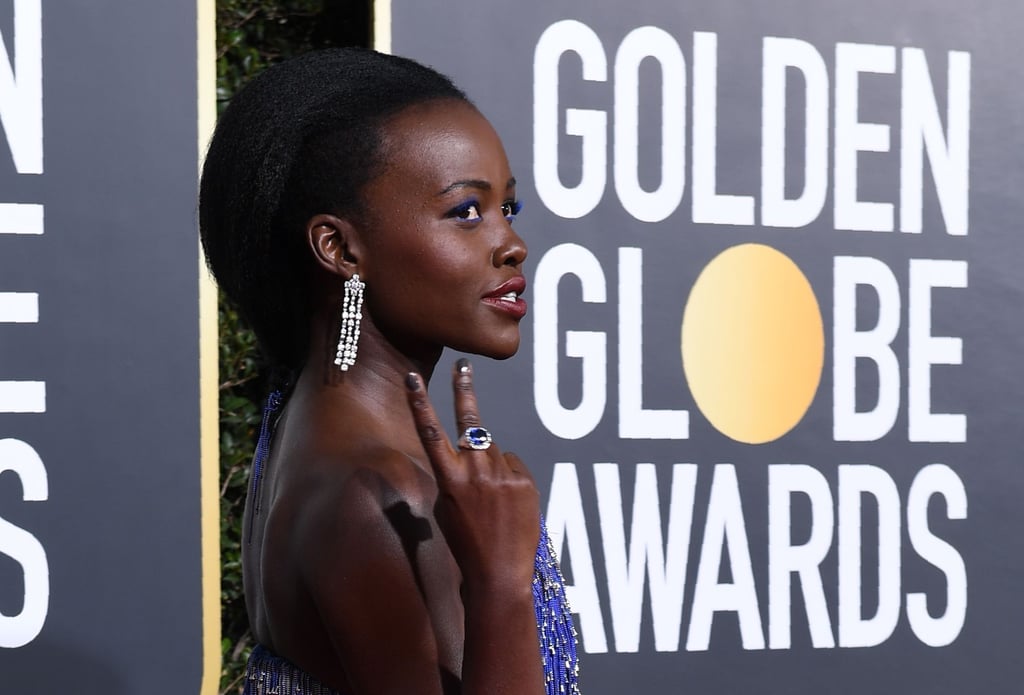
411,277
394,244
410,255
437,259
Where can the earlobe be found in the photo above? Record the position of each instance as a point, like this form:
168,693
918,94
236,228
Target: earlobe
334,243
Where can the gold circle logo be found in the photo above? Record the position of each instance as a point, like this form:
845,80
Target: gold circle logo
753,343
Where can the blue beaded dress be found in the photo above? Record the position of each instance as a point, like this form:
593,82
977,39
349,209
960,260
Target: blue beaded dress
269,674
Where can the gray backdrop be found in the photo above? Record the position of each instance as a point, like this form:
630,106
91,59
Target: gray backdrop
116,343
946,497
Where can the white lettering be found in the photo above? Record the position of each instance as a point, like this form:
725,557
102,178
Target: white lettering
19,307
650,42
636,422
665,564
854,483
21,88
588,346
853,136
849,344
709,206
776,209
566,523
937,479
24,548
21,218
804,560
589,125
921,131
724,529
925,349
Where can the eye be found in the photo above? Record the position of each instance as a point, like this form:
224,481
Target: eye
467,212
511,208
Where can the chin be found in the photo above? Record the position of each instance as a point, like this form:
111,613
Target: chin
504,355
499,350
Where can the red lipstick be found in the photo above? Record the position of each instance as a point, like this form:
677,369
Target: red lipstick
506,297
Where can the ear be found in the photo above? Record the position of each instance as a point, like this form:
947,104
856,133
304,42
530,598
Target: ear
335,244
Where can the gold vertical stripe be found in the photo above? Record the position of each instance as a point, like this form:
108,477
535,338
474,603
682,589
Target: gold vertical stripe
382,25
209,435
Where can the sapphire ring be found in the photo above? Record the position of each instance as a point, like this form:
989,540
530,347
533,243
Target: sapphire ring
476,438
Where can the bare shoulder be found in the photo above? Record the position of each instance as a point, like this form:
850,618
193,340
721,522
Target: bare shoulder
362,505
360,539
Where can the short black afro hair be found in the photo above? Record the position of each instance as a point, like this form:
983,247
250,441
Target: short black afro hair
301,139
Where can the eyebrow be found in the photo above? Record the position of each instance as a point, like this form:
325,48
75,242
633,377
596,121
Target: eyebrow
474,183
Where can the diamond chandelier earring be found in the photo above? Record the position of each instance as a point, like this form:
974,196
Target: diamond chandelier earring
351,315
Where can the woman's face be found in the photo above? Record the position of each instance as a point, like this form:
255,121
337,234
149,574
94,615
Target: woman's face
442,264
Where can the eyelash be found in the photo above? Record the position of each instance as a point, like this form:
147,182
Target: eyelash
514,208
462,212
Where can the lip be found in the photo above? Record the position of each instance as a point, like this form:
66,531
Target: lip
517,309
516,284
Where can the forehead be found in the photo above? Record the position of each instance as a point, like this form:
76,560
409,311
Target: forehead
442,141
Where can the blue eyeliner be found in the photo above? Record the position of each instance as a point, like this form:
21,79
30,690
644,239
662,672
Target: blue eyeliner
461,211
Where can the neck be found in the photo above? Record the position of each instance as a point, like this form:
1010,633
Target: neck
374,388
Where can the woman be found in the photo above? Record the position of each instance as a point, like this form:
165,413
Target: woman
358,209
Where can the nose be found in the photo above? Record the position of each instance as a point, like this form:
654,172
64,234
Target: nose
512,250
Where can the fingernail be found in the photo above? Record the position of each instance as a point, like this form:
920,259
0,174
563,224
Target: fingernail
412,381
463,365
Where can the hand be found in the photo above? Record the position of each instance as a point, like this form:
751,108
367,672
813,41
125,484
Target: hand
488,506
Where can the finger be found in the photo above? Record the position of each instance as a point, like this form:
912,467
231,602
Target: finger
517,466
467,413
428,427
